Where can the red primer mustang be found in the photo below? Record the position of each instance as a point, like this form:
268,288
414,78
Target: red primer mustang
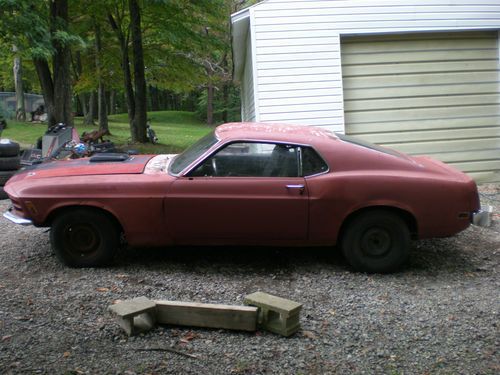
248,184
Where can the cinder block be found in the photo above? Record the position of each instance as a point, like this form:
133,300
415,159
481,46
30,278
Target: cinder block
136,315
276,314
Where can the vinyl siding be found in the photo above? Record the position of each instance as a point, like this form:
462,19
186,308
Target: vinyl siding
247,87
298,48
434,94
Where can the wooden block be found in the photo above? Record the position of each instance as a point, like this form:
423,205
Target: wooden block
206,315
135,316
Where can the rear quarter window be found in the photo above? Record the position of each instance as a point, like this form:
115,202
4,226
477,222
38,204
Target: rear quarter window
312,163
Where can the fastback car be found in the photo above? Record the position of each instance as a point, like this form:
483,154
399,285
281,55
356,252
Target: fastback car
248,184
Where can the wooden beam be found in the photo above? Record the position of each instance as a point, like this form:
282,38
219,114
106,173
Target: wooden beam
206,315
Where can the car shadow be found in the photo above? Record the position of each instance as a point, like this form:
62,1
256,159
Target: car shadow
427,256
228,258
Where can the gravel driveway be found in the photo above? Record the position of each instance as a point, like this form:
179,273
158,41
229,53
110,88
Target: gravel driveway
437,316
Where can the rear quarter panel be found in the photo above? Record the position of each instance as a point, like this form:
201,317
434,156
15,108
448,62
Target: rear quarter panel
360,178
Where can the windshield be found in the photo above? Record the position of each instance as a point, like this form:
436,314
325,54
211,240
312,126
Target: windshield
192,153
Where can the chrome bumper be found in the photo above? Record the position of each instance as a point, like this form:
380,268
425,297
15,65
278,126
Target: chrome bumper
482,218
16,219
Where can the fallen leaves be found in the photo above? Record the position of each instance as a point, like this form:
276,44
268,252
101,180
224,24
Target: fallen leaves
309,335
188,337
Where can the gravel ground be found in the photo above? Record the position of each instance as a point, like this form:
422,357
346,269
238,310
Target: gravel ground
437,316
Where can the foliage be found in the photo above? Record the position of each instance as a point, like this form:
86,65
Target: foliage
186,46
231,106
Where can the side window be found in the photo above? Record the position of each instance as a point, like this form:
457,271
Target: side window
312,163
248,159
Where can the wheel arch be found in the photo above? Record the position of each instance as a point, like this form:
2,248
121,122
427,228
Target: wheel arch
63,209
407,217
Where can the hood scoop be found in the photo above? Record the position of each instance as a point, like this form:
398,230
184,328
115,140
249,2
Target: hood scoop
109,157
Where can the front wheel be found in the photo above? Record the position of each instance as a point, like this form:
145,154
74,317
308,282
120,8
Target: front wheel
376,241
84,238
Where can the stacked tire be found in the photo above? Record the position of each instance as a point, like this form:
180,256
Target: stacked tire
9,163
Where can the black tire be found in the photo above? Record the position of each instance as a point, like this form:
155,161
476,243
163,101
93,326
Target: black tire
84,238
9,149
376,241
10,163
4,176
3,194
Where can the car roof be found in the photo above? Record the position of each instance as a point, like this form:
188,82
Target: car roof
257,131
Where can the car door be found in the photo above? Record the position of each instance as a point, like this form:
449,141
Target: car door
246,192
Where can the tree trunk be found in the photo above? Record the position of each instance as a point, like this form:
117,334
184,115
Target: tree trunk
92,112
18,83
127,76
112,102
225,98
61,65
47,85
140,116
210,104
87,115
101,92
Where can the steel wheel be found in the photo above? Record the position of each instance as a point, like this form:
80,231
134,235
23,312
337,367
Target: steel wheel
376,241
84,238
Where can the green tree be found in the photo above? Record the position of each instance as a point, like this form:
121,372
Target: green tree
41,29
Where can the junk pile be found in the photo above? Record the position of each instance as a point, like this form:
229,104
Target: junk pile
261,311
63,142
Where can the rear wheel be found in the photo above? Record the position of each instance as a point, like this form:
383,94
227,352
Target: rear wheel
376,241
84,238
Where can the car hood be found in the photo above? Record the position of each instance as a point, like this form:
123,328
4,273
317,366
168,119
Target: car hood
84,167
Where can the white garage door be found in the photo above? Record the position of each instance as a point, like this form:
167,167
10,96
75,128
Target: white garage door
434,94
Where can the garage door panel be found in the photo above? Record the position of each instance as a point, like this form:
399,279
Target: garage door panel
382,57
476,166
416,125
433,135
391,80
421,67
466,156
422,102
483,177
420,36
418,148
422,113
400,46
435,94
415,91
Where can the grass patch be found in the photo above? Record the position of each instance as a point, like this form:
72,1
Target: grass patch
176,130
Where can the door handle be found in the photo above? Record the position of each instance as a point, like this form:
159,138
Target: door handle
300,187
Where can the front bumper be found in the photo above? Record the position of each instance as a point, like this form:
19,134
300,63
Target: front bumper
482,217
16,219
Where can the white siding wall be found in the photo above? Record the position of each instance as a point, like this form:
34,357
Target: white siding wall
297,55
247,86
